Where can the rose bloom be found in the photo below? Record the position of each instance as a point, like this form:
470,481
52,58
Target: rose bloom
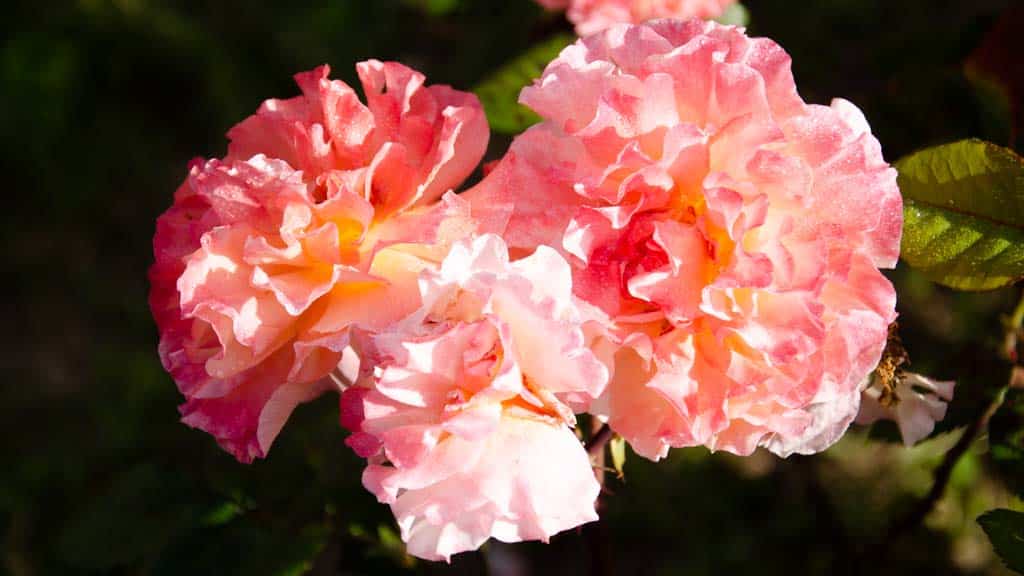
467,416
592,16
319,219
729,234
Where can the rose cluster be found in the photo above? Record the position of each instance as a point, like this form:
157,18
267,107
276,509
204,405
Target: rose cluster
682,248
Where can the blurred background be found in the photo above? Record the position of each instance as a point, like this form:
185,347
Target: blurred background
103,104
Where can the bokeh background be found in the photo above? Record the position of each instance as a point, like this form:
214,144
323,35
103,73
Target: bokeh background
103,104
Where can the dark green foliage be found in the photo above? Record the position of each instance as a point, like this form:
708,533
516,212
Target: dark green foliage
1005,528
135,517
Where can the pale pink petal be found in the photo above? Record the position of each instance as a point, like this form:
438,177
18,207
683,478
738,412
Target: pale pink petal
531,481
466,420
918,404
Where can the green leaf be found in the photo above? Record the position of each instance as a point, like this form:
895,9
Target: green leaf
390,545
964,214
617,447
1005,529
499,92
735,15
222,513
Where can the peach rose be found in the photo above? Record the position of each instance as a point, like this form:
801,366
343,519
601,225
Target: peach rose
467,417
728,234
319,219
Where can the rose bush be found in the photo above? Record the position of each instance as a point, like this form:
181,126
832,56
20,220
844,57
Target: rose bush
682,249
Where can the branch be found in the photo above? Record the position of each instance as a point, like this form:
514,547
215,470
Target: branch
1013,328
942,474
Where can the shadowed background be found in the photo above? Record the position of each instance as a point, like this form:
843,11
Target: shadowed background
104,103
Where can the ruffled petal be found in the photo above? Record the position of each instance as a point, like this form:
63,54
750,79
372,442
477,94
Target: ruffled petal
317,223
710,214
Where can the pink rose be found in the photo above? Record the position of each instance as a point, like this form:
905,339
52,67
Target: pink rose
320,219
467,417
729,234
592,16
